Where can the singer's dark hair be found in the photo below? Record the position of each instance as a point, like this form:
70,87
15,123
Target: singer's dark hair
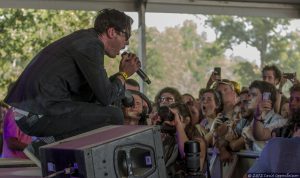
108,18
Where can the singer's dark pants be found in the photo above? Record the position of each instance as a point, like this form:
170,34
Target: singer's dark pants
83,118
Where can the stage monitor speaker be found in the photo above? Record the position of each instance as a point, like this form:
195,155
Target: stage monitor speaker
108,152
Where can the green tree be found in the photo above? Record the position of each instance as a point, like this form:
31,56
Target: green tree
24,32
154,62
192,44
242,67
175,58
268,35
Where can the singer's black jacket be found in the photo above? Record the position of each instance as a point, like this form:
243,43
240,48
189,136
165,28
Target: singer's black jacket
64,74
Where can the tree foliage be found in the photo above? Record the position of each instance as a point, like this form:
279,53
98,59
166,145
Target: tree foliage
269,36
178,56
24,32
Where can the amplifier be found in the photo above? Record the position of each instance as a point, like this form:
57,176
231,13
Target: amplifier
107,152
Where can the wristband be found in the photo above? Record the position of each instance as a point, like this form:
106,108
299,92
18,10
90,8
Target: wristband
123,74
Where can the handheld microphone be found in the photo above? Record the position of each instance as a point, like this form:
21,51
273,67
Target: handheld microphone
143,76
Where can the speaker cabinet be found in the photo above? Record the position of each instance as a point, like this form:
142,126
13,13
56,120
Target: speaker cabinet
107,152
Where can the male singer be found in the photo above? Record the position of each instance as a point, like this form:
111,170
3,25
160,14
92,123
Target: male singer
65,90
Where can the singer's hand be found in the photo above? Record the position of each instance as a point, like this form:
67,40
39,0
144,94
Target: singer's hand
129,63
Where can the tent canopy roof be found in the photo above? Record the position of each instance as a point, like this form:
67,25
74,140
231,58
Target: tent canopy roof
271,8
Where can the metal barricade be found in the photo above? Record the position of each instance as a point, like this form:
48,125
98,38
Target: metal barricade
243,160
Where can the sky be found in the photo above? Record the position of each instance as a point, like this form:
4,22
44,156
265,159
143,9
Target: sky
163,20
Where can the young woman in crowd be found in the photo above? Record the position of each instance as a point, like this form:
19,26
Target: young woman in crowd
174,139
194,107
211,105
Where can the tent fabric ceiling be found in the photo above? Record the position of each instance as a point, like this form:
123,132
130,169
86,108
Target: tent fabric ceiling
271,8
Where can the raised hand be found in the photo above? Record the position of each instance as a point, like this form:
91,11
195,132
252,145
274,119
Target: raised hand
129,63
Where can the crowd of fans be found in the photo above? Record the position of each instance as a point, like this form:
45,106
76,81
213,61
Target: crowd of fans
225,117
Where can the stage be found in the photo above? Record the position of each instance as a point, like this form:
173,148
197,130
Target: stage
19,168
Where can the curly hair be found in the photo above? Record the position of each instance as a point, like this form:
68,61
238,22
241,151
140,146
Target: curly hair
173,91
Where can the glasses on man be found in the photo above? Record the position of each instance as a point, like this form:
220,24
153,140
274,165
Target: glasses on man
126,34
166,99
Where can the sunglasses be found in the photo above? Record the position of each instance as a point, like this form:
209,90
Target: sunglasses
126,34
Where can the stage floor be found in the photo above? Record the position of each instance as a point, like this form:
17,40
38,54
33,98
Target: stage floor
19,168
21,172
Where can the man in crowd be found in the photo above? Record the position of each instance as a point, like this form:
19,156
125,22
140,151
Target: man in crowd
294,106
280,155
272,75
262,97
295,98
133,87
132,84
237,142
138,113
65,90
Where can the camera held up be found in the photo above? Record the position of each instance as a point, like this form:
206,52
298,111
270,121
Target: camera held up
165,113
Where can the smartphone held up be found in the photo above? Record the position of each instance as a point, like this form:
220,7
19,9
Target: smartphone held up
217,73
266,96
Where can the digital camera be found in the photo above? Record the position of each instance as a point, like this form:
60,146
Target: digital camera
165,113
